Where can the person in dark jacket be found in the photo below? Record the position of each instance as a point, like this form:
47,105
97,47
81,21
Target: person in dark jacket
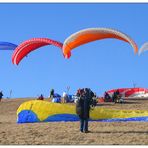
83,109
107,97
1,95
116,96
51,96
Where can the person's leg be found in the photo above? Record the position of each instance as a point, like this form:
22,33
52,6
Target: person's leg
51,98
86,125
64,99
113,99
81,124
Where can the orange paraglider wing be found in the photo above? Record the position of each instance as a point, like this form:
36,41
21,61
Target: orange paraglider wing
93,34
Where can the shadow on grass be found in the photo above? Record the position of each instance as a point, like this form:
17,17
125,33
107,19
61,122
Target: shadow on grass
123,132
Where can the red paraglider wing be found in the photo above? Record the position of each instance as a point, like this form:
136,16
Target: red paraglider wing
27,46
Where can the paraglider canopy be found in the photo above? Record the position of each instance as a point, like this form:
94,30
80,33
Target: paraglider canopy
143,48
93,34
7,46
29,45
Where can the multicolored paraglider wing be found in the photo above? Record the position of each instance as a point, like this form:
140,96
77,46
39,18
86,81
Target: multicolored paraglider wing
93,34
130,92
44,111
143,47
7,46
27,46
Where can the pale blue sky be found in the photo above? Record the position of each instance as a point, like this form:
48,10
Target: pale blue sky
100,65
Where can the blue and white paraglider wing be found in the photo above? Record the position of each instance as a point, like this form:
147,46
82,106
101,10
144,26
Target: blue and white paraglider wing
7,46
143,48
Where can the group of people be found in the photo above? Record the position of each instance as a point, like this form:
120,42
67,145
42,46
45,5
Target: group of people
116,97
51,96
55,97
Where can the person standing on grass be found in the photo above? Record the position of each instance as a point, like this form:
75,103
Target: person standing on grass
83,109
51,96
1,95
65,97
116,96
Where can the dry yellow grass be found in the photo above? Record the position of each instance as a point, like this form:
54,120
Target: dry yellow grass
67,133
